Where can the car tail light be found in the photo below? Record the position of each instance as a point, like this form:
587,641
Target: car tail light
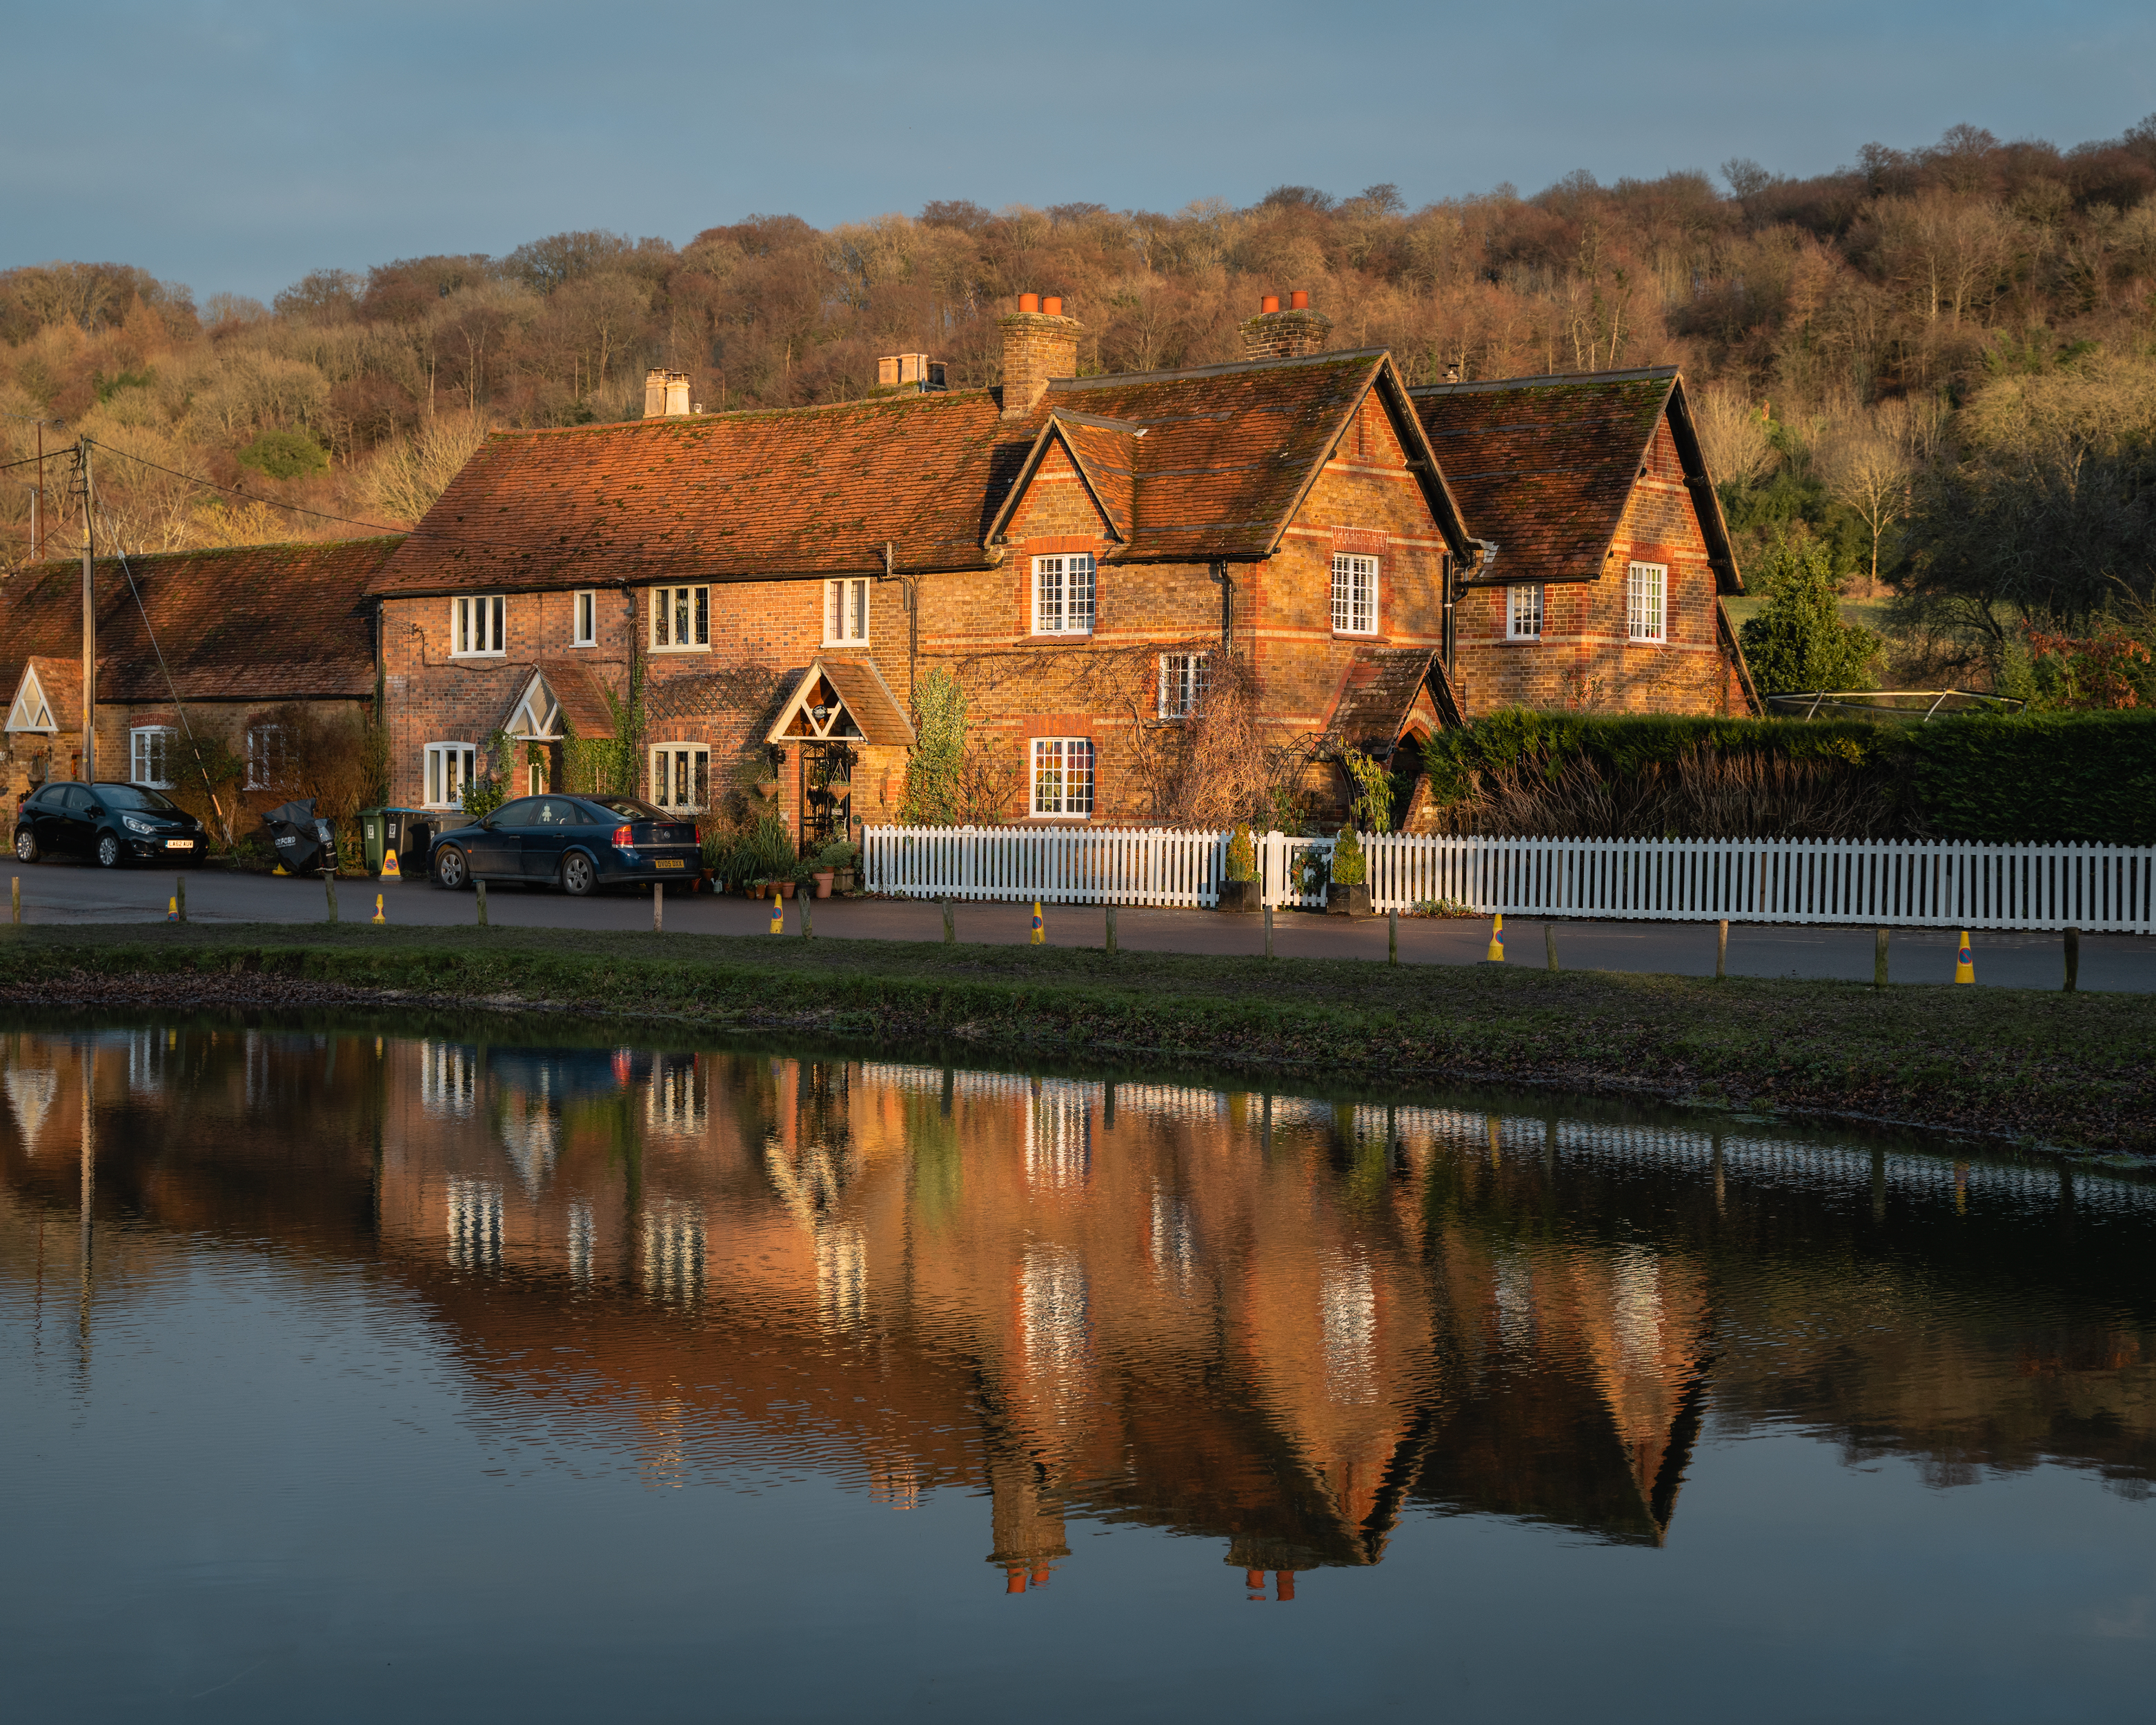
623,838
697,837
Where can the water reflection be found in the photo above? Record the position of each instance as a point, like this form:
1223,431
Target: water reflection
1276,1323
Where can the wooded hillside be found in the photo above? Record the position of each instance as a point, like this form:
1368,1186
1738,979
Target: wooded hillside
1938,366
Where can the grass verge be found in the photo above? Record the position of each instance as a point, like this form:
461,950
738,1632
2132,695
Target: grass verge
2057,1070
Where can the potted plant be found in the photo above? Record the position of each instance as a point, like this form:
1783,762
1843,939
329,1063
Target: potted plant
1240,891
840,858
1349,893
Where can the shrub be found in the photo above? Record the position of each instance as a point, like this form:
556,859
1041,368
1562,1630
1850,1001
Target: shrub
285,455
1242,856
1350,867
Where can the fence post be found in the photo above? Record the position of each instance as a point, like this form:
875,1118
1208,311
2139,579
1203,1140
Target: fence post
808,915
1721,949
180,893
1879,962
950,925
2073,945
329,891
479,887
1268,930
658,906
1393,936
1111,929
1549,943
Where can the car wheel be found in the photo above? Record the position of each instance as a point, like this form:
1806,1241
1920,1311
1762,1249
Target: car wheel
451,870
578,875
26,846
108,850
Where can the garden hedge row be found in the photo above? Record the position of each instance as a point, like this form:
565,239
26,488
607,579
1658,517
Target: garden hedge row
2054,777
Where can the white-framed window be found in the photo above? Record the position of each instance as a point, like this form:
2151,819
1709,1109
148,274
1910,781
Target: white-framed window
450,769
1646,613
681,619
1184,680
1523,612
584,618
1062,595
681,775
1354,595
845,613
152,751
269,756
475,626
1062,776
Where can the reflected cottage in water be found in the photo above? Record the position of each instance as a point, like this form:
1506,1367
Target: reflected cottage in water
1272,1322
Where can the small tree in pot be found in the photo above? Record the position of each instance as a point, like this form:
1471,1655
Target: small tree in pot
1240,891
1349,893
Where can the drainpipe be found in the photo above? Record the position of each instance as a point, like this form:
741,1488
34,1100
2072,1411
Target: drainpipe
1219,573
910,597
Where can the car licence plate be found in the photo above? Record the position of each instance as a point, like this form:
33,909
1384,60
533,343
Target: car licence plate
671,862
179,845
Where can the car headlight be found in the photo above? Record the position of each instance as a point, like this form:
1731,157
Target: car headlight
134,826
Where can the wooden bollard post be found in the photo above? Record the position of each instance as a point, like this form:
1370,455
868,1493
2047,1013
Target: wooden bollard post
808,915
1879,960
1721,949
479,887
1393,936
2073,944
658,907
180,881
1549,944
950,925
1111,929
1269,930
329,893
16,895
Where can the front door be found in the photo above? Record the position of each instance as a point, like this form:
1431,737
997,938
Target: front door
827,801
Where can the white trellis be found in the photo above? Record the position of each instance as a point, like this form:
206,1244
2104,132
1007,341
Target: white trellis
2099,888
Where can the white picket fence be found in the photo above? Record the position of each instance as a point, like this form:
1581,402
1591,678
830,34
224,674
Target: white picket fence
2099,888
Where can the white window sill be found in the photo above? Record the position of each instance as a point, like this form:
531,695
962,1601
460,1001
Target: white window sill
1062,634
842,645
584,644
504,653
704,648
1522,641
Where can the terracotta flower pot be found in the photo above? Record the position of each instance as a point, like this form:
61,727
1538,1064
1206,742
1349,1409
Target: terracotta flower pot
823,882
786,889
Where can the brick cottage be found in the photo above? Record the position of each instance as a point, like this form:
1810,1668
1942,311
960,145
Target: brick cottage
750,600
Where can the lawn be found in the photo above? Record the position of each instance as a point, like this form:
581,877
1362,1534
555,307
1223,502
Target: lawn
2062,1071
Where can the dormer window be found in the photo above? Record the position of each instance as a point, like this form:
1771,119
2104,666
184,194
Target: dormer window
1062,595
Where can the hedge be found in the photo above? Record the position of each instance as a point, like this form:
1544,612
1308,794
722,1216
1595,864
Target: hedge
2044,778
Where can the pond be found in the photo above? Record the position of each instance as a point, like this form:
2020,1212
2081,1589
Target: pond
353,1374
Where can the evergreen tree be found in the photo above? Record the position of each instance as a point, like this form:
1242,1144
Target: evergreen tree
1798,641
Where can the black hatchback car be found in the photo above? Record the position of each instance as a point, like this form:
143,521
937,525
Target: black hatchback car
112,823
575,843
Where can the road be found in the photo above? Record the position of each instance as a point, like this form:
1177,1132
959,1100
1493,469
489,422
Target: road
60,892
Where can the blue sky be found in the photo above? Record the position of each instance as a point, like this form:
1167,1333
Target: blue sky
236,146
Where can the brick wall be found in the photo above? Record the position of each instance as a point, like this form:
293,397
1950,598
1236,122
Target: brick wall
1585,657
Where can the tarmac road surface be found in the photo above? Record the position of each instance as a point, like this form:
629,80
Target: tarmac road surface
59,892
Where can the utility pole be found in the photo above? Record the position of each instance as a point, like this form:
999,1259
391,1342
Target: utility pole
38,503
81,487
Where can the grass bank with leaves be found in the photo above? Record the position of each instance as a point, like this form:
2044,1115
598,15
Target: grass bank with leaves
2057,1070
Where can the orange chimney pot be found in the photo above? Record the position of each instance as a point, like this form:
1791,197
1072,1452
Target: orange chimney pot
1270,302
1298,300
1052,306
1028,302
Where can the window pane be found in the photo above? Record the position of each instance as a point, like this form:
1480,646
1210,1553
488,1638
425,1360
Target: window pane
1078,775
703,779
834,621
1048,580
703,617
1078,603
498,606
861,610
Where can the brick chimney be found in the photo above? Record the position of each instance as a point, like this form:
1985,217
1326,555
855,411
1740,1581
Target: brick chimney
1274,334
666,394
1039,343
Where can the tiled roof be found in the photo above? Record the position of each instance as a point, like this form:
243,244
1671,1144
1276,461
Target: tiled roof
1195,465
1377,691
1544,466
802,490
1228,452
253,622
863,693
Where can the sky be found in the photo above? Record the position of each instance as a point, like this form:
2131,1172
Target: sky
234,145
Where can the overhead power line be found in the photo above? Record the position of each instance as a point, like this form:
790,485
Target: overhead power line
195,479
